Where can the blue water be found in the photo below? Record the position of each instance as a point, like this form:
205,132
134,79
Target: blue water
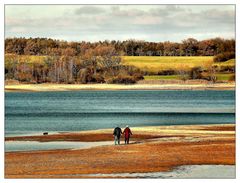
11,146
37,112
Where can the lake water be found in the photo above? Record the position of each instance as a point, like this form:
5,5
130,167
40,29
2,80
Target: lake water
29,113
11,146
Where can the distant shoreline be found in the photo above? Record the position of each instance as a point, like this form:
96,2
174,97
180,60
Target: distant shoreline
77,87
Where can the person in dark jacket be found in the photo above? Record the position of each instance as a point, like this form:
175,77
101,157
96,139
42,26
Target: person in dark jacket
127,133
117,134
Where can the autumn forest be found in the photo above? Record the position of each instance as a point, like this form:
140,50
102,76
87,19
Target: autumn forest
41,60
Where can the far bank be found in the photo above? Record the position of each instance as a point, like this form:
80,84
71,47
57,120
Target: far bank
139,86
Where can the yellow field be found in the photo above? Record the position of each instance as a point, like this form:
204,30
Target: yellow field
227,63
156,63
145,63
151,64
24,58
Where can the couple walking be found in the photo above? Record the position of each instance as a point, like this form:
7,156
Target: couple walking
117,134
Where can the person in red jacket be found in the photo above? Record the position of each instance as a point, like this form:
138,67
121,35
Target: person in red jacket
127,133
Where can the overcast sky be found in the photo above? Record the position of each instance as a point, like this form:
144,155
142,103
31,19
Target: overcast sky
120,22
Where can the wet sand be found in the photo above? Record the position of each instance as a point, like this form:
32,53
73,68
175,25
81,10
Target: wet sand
182,172
156,149
76,87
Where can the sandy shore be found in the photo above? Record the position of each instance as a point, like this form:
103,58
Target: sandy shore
156,149
73,87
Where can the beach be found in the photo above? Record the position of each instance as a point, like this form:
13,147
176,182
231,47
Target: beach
74,74
152,149
76,87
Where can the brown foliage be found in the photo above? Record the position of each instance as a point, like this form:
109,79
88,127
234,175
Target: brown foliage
222,57
188,47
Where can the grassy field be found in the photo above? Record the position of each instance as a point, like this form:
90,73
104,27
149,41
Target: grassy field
220,77
231,62
161,77
155,64
25,58
151,64
224,77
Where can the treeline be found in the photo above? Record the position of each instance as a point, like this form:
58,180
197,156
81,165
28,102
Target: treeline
99,65
188,47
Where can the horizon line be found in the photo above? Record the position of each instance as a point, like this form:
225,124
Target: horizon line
78,41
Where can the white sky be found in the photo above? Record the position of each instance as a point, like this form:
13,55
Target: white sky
120,22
